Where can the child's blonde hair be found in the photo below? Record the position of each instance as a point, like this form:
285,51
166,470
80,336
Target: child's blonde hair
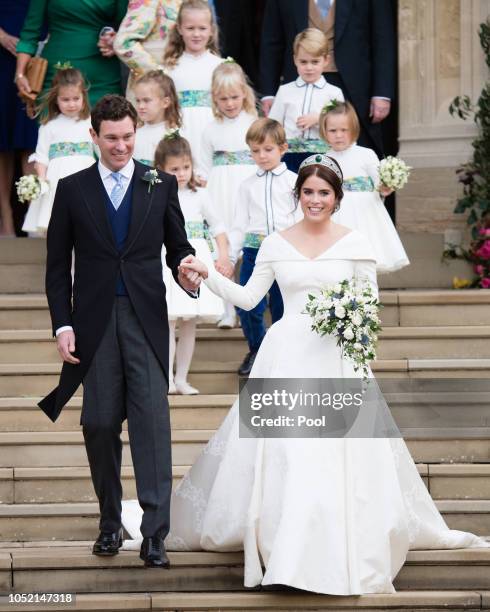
265,128
313,41
64,77
173,145
175,45
230,75
340,108
172,114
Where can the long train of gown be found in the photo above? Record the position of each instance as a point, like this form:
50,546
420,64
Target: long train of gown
334,516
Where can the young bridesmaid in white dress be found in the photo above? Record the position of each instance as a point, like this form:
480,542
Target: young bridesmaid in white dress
190,58
173,155
64,143
362,206
158,110
225,160
330,515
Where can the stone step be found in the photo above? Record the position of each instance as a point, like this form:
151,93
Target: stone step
424,251
24,311
418,405
426,269
456,342
38,379
66,449
74,569
35,485
22,278
186,412
287,600
61,484
407,308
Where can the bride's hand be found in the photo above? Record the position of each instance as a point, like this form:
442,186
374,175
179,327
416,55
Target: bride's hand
189,266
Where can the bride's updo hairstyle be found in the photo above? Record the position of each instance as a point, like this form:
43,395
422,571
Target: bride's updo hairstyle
332,177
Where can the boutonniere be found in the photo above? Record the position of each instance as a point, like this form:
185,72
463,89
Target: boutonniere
151,177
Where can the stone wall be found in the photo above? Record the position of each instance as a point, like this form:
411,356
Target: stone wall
439,58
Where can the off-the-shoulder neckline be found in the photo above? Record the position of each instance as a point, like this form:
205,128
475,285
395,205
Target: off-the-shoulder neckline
320,254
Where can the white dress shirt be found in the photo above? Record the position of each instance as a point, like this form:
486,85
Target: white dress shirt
109,183
265,204
299,98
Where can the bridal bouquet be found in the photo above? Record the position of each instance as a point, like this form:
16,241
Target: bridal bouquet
393,173
348,311
30,187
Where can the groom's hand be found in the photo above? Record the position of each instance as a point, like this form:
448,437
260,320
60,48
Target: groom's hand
189,279
66,346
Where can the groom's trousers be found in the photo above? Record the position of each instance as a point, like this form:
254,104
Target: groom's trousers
125,380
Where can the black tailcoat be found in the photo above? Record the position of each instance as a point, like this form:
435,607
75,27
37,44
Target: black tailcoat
79,224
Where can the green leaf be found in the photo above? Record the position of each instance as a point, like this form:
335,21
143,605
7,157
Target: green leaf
473,218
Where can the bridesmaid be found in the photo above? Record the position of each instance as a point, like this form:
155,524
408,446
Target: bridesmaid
142,36
17,132
74,27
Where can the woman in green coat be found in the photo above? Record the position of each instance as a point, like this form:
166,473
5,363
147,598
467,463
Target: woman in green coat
74,27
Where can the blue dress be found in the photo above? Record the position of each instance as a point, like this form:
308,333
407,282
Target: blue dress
17,131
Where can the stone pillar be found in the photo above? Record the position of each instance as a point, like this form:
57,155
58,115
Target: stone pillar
440,58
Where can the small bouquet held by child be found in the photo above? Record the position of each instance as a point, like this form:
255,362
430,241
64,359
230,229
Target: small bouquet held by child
393,173
349,311
30,187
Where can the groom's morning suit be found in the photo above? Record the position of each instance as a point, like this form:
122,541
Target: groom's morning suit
362,63
119,317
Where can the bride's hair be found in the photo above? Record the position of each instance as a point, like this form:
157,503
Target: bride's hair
324,173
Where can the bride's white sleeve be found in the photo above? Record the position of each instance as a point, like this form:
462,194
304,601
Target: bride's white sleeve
365,271
244,297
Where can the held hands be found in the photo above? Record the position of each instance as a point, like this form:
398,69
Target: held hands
66,346
380,109
308,121
191,273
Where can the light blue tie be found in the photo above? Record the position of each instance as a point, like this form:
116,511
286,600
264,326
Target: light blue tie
117,192
323,7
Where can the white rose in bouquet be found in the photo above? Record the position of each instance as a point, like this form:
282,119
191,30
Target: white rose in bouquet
357,318
340,311
348,333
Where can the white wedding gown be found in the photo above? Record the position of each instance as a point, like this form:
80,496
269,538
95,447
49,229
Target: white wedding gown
332,516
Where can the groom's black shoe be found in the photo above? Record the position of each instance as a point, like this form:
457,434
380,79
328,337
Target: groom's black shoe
108,544
247,363
153,552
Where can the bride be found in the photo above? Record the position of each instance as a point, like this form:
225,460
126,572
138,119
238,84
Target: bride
333,516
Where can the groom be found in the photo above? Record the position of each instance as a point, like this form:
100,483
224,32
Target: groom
113,337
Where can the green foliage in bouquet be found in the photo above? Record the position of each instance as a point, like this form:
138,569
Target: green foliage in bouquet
475,177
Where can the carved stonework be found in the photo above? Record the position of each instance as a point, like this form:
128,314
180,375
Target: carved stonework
437,40
439,58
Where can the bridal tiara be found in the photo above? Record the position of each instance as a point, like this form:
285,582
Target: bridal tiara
322,160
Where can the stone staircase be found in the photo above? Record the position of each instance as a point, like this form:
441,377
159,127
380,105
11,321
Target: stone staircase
434,367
